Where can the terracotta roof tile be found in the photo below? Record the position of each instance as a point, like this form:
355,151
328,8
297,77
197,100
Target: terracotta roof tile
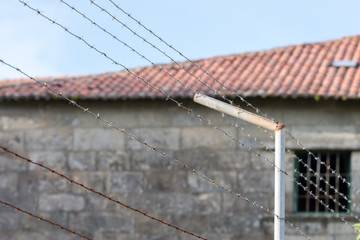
295,71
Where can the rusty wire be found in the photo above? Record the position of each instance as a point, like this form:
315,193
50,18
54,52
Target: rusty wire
162,153
62,227
109,198
179,104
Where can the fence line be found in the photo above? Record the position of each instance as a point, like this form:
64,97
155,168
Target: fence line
207,73
163,154
191,61
194,90
62,227
179,104
108,197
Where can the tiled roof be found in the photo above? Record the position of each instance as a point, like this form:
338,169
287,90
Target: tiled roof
295,71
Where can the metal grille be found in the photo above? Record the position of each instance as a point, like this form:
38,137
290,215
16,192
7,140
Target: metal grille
337,160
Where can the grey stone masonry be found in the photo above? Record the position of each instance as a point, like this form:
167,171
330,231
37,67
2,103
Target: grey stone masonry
70,141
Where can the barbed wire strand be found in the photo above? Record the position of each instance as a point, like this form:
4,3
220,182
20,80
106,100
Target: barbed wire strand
62,227
179,104
210,75
81,38
194,90
188,59
163,154
113,36
299,174
109,198
317,158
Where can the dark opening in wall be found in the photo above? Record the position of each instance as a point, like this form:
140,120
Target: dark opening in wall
326,185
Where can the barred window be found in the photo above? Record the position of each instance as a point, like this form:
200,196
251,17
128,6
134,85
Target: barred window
338,161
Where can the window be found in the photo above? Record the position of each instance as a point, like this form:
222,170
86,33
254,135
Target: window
338,161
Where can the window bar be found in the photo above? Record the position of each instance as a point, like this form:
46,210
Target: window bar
337,180
308,183
327,175
318,171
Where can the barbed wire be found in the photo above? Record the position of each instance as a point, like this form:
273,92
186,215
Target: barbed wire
125,67
113,36
179,104
108,197
344,180
163,154
62,227
301,175
207,73
216,93
189,60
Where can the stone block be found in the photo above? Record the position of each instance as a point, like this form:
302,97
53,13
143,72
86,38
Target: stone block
123,182
162,138
98,139
61,202
195,137
8,183
117,236
29,121
131,114
113,160
343,237
30,235
340,228
10,163
256,181
325,137
355,161
160,237
204,159
84,161
52,159
145,160
197,183
36,182
229,224
194,223
49,139
10,221
165,181
14,141
99,181
105,222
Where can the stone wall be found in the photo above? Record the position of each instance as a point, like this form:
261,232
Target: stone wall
64,138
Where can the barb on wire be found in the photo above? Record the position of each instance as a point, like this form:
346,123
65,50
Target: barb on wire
163,154
72,181
46,220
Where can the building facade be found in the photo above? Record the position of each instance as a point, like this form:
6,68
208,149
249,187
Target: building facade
317,102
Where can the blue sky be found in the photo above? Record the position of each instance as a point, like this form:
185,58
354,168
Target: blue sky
199,29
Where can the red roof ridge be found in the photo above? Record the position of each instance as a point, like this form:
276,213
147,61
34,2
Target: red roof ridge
303,70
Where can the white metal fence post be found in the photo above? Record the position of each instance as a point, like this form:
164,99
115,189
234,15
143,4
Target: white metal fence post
279,198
